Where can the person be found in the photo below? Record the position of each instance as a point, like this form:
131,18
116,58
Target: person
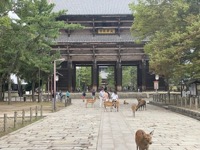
60,95
106,96
105,89
93,93
114,96
83,96
101,96
67,94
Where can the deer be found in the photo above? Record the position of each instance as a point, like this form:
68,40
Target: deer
108,104
143,140
133,107
91,101
125,102
141,104
116,105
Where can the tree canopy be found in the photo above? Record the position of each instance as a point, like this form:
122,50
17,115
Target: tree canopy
25,43
172,30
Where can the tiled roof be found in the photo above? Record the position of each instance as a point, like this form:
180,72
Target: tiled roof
93,7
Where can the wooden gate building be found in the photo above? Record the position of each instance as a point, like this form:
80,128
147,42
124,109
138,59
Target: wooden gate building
104,40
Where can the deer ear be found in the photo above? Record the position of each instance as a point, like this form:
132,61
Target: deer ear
151,133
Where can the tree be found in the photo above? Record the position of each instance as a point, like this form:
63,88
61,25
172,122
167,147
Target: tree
110,77
10,45
129,77
26,42
172,28
42,27
83,77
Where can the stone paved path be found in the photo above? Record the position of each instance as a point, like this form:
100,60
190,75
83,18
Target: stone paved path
77,127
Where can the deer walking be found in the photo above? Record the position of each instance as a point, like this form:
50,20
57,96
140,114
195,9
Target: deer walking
143,140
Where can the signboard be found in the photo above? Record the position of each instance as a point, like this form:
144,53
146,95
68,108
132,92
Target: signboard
156,86
106,31
57,77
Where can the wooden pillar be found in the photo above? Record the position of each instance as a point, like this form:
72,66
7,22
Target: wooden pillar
118,74
143,75
119,31
93,27
73,77
69,75
94,76
139,76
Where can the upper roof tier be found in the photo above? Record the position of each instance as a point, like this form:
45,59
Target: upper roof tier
93,7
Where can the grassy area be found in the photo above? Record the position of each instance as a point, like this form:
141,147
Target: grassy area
19,107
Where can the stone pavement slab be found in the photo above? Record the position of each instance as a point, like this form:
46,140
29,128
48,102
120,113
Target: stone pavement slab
77,127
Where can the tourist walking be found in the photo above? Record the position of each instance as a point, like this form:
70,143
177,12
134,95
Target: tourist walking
101,96
93,93
83,96
114,96
67,94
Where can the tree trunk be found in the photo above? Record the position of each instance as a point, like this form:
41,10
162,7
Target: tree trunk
19,87
9,90
33,91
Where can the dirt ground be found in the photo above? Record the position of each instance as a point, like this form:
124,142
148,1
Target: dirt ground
23,108
18,106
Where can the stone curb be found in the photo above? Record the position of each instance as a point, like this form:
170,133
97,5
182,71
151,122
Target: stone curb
184,111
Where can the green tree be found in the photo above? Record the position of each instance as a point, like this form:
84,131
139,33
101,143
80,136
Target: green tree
129,76
172,28
10,46
110,77
83,77
28,40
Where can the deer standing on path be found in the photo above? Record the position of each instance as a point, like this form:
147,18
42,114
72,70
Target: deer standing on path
143,140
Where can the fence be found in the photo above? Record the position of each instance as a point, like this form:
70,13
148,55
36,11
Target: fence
28,97
10,122
176,99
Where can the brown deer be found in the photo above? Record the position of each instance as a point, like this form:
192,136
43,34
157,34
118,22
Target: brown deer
141,104
125,102
116,104
133,107
143,140
91,101
108,104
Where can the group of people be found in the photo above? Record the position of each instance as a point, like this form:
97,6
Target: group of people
61,95
84,94
104,95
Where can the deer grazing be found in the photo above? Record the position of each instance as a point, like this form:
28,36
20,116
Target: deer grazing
143,140
134,107
108,104
125,102
91,101
141,104
114,104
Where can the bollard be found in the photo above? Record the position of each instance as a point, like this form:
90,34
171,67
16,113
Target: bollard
23,116
41,111
30,114
196,103
190,102
36,112
5,123
185,98
15,119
